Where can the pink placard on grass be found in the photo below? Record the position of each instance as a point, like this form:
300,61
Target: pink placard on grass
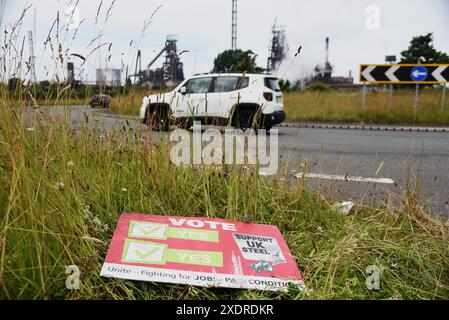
201,252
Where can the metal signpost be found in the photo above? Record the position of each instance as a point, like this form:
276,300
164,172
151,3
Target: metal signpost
363,97
443,98
391,60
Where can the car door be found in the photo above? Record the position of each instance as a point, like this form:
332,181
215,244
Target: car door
192,98
224,95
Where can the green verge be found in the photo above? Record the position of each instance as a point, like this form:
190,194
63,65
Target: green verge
345,106
342,106
62,190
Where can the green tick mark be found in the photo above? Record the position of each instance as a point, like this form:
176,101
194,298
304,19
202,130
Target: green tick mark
147,254
151,231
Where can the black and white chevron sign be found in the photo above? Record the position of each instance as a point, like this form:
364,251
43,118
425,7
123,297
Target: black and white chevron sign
404,73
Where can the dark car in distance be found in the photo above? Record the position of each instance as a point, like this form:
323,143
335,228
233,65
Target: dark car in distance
100,100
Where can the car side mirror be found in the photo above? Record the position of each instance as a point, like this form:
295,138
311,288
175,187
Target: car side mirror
183,90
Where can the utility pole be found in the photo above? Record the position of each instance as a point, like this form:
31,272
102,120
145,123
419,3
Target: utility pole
32,62
2,11
234,24
195,52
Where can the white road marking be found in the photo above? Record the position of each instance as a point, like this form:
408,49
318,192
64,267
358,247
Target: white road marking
301,175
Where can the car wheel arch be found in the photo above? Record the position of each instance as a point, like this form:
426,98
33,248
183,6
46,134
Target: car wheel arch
157,106
161,111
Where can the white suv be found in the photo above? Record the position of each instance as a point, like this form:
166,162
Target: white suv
238,100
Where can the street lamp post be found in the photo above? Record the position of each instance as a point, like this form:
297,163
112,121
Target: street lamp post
194,60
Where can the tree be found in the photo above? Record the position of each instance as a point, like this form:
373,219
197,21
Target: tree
422,46
320,87
285,85
236,61
14,84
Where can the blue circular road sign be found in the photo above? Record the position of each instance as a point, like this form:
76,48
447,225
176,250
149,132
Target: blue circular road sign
419,73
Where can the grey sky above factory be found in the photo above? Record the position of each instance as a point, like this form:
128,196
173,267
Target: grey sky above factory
360,31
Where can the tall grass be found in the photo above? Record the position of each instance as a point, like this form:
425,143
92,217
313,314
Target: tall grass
337,106
129,104
62,189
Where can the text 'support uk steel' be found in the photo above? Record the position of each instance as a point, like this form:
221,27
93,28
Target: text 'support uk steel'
201,252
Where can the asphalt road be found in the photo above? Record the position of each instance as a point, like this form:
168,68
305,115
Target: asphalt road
405,157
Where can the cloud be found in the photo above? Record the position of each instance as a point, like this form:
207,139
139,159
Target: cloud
204,27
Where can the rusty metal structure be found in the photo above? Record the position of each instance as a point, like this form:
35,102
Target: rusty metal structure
278,48
171,72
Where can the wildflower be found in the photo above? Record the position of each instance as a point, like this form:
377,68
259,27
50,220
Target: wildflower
70,164
94,223
247,218
352,282
86,212
302,164
98,226
60,185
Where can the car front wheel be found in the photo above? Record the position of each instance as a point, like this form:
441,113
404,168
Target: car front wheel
158,119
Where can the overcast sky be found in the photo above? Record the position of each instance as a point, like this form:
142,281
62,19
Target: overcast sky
204,28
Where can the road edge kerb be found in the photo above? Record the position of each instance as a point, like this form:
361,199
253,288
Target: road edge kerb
343,126
311,125
116,115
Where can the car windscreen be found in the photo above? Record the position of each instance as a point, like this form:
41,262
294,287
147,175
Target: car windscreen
272,83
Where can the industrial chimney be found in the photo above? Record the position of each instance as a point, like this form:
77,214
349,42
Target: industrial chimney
70,73
327,76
